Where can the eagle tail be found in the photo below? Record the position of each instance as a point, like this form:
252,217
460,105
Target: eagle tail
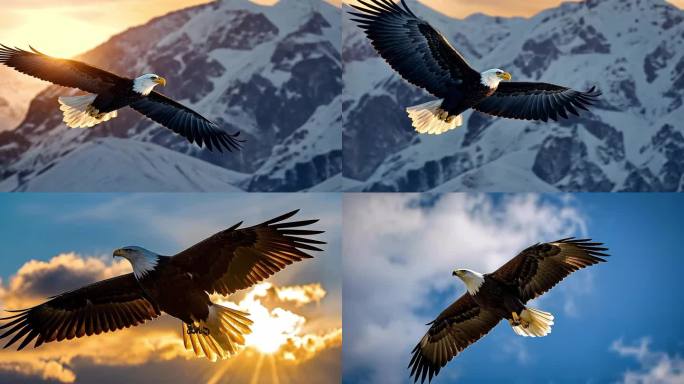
534,323
79,113
219,336
430,118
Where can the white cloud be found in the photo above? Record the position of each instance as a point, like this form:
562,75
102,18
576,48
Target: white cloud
656,367
397,256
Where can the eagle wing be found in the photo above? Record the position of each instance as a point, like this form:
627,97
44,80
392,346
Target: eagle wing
541,266
64,72
236,259
458,326
413,48
536,101
186,122
104,306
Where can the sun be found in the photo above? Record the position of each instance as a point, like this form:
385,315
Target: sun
272,328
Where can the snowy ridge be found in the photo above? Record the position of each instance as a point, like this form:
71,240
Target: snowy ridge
632,49
268,71
131,166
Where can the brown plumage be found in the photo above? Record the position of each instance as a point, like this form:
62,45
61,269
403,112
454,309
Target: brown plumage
105,306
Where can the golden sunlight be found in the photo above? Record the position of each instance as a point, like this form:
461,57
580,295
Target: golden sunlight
464,8
273,328
279,338
72,28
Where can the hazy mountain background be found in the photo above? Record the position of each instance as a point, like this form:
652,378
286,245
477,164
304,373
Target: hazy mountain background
632,141
272,72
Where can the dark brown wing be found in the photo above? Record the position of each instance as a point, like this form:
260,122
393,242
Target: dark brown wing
105,306
458,326
186,122
236,259
541,266
64,72
413,48
536,101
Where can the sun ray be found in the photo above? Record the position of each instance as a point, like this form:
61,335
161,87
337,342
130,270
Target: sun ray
274,370
220,372
257,370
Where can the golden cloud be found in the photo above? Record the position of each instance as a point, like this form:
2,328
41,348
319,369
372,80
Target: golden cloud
159,340
302,294
47,370
36,280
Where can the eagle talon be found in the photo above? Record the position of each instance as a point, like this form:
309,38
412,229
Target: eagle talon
515,321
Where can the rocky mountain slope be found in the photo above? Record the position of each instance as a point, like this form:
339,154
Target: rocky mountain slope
632,141
16,92
273,72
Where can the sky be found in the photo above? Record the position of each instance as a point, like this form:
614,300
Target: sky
58,26
57,242
507,8
618,321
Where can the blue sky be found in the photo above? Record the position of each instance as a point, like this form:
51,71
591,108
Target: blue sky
600,313
40,226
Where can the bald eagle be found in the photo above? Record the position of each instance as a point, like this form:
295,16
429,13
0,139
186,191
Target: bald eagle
179,285
107,93
425,58
502,294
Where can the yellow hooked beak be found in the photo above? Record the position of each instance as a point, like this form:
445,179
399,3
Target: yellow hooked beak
161,81
118,252
505,76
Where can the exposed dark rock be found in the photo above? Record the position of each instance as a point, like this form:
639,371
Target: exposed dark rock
536,57
641,180
301,175
657,60
12,145
477,124
429,176
243,31
594,42
557,157
587,177
376,127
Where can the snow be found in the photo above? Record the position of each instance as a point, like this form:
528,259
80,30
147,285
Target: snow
116,165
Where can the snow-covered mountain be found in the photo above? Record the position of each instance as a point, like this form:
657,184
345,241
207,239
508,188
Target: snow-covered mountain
16,92
272,72
633,141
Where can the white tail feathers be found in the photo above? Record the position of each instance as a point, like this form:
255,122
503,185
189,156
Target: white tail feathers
431,119
79,113
220,336
533,323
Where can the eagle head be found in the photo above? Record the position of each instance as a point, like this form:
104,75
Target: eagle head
142,260
492,77
145,84
473,280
